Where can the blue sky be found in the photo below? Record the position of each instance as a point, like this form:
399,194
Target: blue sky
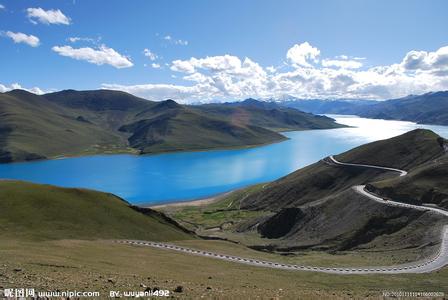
325,49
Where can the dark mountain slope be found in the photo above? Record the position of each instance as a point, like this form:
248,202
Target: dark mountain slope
268,115
348,221
321,179
315,207
108,109
32,127
403,152
427,184
306,185
98,100
182,129
430,108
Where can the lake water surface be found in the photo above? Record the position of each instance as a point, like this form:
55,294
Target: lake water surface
189,175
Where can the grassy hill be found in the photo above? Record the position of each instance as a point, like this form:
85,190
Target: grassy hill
182,129
31,127
32,211
268,115
72,122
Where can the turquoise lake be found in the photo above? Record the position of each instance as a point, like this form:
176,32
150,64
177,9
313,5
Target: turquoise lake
189,175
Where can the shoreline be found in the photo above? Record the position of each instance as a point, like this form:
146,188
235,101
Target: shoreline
194,202
165,152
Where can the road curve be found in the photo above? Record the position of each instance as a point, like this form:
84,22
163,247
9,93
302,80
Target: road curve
402,172
439,260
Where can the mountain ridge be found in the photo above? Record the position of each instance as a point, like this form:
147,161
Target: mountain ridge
69,123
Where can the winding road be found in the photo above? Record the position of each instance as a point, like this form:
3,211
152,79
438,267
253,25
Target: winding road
439,260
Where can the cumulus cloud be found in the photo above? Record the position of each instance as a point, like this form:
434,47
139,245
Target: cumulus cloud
51,16
423,60
155,65
345,63
157,92
19,37
14,86
151,55
301,54
225,75
224,63
100,56
228,77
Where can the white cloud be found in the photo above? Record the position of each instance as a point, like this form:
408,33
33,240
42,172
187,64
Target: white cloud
182,66
214,63
170,39
302,54
51,16
181,42
75,39
271,69
342,56
423,60
155,66
2,6
228,77
224,75
151,55
19,37
344,64
14,86
100,56
157,92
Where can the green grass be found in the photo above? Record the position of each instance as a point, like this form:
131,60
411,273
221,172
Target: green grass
32,211
225,212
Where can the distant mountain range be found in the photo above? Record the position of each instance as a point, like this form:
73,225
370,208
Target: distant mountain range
429,108
70,122
318,106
